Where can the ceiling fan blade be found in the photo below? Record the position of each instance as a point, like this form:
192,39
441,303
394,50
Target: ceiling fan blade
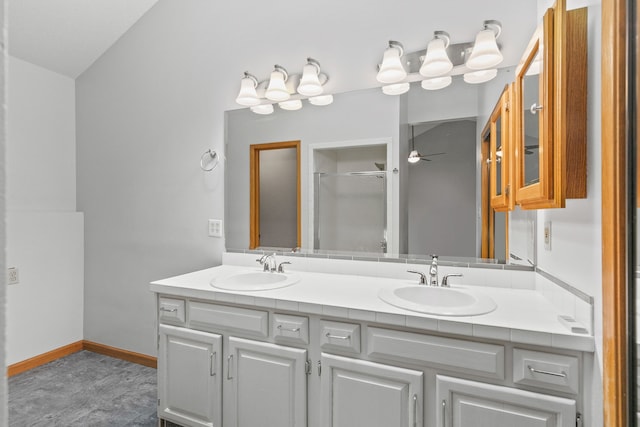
432,154
426,160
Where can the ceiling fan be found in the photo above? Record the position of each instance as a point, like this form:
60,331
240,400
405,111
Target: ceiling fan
414,156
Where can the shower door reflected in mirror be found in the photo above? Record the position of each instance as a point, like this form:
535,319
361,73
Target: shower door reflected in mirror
350,211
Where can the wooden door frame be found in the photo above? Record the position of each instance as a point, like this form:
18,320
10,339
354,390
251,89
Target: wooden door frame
254,192
616,403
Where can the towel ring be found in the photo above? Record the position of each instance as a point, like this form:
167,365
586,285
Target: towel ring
213,160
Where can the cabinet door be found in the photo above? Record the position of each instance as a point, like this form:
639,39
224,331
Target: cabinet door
266,385
189,384
357,393
500,152
465,403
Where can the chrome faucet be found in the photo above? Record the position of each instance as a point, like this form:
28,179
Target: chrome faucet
433,271
269,262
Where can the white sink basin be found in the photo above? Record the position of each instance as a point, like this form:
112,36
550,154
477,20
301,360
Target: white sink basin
438,300
255,281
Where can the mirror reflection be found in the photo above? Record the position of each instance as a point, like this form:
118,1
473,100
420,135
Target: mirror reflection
359,193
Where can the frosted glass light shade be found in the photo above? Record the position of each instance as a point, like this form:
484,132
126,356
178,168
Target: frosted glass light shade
321,100
247,95
310,83
292,105
437,83
485,52
414,157
436,62
391,69
480,76
263,109
277,90
396,89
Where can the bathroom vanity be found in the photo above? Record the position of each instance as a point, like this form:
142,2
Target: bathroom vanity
327,351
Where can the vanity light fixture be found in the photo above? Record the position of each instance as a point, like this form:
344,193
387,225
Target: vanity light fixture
437,83
396,88
321,100
391,70
277,89
248,95
485,52
480,76
437,62
291,105
262,109
310,82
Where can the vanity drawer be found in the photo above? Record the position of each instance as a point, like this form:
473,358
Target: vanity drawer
212,317
551,371
471,357
339,336
171,311
291,328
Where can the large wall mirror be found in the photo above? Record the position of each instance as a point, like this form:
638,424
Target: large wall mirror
359,194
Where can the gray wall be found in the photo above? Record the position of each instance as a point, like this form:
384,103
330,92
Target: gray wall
442,192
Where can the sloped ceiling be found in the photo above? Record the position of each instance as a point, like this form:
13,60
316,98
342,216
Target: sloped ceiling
67,36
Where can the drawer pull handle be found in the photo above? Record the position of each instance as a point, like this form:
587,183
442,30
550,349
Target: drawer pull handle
337,337
288,329
415,410
212,364
539,371
169,310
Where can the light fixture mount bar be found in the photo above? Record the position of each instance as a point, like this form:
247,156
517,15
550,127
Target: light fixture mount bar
457,54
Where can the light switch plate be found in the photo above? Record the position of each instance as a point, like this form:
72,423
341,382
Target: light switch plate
215,228
13,277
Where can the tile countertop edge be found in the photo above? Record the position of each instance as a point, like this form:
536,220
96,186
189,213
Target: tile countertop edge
472,326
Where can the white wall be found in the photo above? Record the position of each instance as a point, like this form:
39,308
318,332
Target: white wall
44,233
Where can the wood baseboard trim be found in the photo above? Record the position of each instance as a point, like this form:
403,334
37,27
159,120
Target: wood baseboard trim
129,356
47,357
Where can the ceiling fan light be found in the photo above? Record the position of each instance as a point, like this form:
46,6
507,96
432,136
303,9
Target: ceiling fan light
391,69
277,90
480,76
485,52
321,100
248,95
396,89
262,109
436,83
414,157
437,62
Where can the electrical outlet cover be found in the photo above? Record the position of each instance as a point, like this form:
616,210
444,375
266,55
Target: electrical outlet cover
13,276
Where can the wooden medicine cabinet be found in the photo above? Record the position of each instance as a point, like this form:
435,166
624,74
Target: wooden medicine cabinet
550,106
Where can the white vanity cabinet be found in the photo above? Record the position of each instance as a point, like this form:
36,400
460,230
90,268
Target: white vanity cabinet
189,379
266,385
237,365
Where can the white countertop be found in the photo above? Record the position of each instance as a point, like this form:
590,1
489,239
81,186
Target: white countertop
522,315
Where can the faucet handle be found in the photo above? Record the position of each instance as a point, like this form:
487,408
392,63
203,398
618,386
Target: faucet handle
423,277
281,268
261,259
445,279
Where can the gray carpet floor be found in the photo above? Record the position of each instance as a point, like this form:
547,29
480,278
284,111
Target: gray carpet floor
84,389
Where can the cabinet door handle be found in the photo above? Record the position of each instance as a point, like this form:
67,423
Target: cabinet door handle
229,362
444,413
212,364
169,310
337,337
288,329
319,368
535,108
415,410
539,371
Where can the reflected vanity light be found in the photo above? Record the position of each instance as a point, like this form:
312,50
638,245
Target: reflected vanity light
480,76
437,83
437,62
321,100
396,89
277,89
391,70
262,109
485,52
292,105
